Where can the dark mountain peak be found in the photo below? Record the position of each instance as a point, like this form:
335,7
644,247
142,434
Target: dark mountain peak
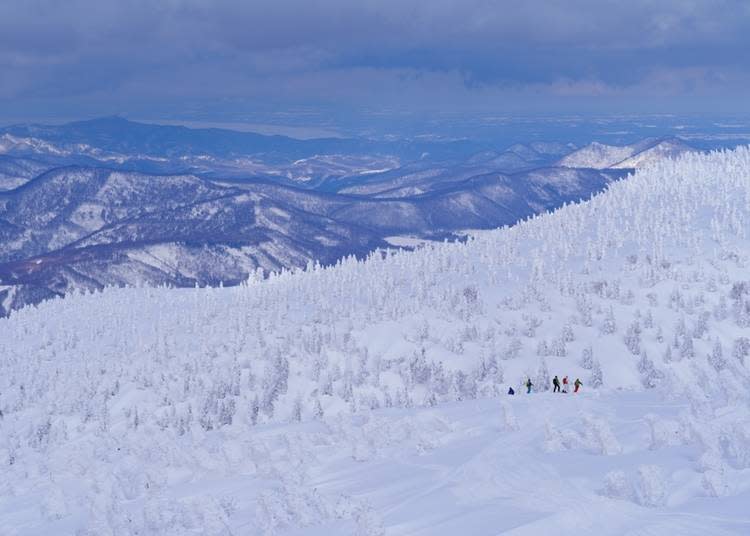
102,121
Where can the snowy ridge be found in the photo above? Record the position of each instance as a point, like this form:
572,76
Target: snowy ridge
669,148
597,156
162,411
635,156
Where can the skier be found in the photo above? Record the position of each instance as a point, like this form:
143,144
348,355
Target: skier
577,384
511,391
565,384
528,386
556,383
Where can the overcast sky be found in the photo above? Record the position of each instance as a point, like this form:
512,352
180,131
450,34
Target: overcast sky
210,59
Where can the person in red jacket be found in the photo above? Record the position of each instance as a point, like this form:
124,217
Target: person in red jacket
565,384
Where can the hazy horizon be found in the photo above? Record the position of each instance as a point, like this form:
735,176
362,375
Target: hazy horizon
227,61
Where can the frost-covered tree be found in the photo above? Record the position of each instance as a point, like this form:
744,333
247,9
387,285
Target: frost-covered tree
701,325
599,437
440,382
618,486
650,486
633,338
514,349
297,410
585,310
721,311
648,320
557,348
741,349
740,296
596,378
587,358
317,411
227,410
608,325
531,324
368,522
667,357
419,368
714,474
650,375
687,351
542,382
716,357
567,333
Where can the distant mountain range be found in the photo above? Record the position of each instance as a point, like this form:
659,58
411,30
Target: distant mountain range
112,202
124,144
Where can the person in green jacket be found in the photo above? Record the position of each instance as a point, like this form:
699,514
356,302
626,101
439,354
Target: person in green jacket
577,385
528,386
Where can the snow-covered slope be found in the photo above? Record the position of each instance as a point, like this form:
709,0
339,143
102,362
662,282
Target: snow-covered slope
597,156
600,156
162,411
15,172
669,148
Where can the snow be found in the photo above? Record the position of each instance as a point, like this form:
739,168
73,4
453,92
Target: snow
638,155
374,171
88,216
665,149
337,166
163,256
7,293
425,471
369,397
597,156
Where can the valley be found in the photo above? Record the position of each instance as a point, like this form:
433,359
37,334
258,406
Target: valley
111,202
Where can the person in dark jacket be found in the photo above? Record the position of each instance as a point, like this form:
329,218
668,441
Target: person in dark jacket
511,391
556,383
528,386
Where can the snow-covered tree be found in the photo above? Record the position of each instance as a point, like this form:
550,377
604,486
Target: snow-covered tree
596,378
716,357
650,486
587,358
543,380
608,325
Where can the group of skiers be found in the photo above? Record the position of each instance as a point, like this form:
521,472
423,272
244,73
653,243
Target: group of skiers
557,386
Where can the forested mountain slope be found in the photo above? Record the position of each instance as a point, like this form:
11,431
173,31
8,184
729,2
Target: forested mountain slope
82,228
227,410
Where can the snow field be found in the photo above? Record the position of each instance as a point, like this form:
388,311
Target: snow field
532,464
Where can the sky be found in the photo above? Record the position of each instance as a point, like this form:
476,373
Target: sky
224,60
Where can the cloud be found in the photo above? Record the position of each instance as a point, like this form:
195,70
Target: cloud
136,53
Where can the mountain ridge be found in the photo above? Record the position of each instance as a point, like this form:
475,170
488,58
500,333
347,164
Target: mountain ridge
77,207
601,156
